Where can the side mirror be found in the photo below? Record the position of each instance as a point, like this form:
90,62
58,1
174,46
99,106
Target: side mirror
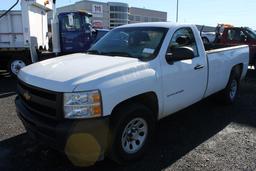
178,54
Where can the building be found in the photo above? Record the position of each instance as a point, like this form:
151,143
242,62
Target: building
137,15
112,14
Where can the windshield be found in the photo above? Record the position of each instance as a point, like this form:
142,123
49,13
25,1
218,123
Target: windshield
87,19
70,23
251,33
136,42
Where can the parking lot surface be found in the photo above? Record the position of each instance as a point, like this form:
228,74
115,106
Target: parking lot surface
206,136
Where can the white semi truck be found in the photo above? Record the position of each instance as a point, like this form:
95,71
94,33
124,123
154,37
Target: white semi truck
106,102
25,38
23,33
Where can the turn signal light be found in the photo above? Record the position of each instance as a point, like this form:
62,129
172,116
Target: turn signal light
96,110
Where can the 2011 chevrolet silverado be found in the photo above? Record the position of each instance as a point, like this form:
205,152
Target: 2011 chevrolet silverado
106,102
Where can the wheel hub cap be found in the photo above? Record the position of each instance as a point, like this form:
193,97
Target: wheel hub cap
134,135
16,65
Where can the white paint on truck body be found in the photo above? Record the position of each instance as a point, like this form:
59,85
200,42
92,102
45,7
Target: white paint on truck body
228,57
120,78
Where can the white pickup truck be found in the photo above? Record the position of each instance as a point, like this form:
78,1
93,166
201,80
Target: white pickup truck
106,102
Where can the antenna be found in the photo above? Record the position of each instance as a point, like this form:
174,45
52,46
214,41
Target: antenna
177,11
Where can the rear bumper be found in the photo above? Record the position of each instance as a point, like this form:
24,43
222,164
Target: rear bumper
56,134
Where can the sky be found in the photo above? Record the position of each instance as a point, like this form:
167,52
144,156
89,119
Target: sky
203,12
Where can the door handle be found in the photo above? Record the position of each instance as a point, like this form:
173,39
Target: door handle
197,67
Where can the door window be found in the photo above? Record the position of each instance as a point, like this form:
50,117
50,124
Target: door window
251,34
235,35
183,37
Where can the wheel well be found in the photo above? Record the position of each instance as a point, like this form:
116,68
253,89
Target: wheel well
238,70
148,99
25,54
8,55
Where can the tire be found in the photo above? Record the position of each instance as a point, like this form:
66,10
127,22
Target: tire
229,94
127,143
15,64
205,40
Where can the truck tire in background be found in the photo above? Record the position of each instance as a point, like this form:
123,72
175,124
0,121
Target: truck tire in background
131,131
229,94
15,64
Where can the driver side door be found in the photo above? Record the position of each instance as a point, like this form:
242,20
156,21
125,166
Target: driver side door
184,81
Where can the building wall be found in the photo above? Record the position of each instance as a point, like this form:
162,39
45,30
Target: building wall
145,15
113,14
119,14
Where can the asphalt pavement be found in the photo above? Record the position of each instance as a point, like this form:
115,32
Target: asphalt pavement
205,136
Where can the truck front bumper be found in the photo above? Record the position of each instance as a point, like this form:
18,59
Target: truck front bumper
67,135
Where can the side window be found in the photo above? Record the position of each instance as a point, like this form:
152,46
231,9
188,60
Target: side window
230,34
235,35
71,23
186,33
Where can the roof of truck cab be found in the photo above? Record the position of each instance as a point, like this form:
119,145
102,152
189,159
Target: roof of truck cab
154,24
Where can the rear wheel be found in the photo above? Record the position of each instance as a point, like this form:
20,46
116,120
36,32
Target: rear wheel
15,64
229,94
132,130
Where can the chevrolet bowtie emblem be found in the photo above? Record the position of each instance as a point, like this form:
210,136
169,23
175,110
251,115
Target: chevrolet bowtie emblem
27,96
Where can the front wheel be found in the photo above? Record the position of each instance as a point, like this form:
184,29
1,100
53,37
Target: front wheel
132,131
15,64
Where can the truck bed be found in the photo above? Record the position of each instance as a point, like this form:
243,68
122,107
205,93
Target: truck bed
11,30
221,59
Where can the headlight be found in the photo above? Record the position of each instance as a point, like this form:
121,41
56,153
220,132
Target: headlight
82,105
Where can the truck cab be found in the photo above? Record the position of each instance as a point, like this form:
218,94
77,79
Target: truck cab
75,31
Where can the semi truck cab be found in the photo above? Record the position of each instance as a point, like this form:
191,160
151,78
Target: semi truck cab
25,38
75,31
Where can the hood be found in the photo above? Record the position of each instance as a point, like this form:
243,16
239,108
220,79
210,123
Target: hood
64,74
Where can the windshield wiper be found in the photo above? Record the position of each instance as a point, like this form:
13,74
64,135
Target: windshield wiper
96,52
125,54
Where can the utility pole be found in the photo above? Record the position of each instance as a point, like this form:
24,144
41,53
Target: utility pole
177,11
